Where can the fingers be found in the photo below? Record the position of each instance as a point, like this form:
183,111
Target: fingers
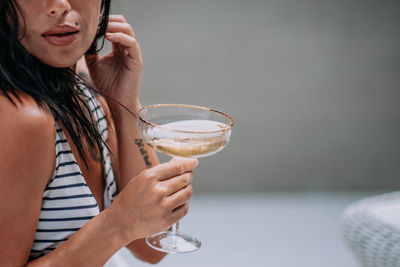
180,212
121,34
125,43
175,201
118,23
172,168
117,18
122,39
120,27
176,183
178,204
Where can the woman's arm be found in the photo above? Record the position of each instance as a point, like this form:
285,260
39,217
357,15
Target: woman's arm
27,162
131,152
117,75
135,157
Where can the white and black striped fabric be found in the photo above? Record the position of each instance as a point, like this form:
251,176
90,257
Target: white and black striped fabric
68,203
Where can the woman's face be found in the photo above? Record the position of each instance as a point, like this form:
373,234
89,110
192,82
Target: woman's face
58,32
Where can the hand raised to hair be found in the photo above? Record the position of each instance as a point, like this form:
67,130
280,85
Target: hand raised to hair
118,73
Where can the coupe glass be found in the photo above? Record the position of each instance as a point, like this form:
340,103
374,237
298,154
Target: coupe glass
182,131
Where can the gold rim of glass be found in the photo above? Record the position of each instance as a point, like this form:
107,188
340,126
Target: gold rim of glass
185,106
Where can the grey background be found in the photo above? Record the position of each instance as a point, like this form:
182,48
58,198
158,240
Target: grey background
312,86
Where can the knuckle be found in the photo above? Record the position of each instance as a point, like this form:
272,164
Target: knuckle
150,174
178,167
145,173
160,190
164,206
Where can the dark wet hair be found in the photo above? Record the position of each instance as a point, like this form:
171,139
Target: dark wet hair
59,90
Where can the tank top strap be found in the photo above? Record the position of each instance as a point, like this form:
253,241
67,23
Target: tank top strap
110,190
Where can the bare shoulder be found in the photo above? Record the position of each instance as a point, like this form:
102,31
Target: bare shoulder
24,112
27,160
27,133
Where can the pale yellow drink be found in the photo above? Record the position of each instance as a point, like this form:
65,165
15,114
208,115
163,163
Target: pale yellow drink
197,145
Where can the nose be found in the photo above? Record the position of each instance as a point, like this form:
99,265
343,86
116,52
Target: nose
58,7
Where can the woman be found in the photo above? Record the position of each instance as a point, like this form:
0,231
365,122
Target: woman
78,183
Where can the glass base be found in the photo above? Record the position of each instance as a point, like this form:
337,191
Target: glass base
173,243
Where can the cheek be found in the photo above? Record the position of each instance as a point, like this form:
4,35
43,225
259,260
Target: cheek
93,25
90,11
28,41
28,16
92,20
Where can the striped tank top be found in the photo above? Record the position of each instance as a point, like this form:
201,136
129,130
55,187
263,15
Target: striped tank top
67,202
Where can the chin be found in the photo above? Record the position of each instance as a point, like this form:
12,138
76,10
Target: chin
61,61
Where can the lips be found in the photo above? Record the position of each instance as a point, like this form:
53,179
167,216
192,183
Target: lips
61,35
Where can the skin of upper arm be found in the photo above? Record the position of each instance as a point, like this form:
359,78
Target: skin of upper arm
27,160
112,143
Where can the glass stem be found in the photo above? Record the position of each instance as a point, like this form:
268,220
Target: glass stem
175,228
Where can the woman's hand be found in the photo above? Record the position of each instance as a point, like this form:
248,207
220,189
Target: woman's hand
154,200
118,73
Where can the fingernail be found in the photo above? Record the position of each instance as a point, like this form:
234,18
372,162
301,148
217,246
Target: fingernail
196,162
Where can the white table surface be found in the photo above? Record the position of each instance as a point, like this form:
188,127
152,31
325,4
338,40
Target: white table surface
262,229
